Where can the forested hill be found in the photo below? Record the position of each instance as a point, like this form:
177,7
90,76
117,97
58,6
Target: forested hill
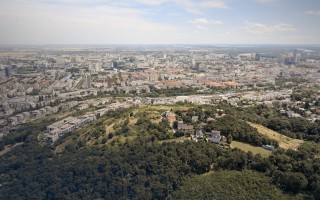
143,159
146,170
231,185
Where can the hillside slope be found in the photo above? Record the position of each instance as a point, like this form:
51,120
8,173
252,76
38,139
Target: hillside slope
284,141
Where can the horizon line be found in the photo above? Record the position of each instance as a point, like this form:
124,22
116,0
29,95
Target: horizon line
168,44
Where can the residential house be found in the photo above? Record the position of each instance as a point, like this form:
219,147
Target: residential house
209,119
83,106
199,135
293,114
195,118
13,121
282,112
216,137
36,114
185,127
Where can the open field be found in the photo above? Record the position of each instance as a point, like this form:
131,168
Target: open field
247,147
284,141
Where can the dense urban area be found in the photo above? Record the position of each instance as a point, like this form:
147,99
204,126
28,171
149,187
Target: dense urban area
160,122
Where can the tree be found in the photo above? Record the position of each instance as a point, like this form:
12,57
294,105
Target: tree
307,105
104,140
178,133
229,139
110,136
1,146
292,181
175,124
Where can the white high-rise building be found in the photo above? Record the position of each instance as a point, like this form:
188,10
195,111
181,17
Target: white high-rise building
297,58
193,62
90,67
87,83
98,67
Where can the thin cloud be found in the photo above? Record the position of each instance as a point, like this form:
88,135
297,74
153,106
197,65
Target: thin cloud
202,27
191,6
254,27
266,1
216,22
315,13
199,21
152,2
205,21
147,21
214,4
101,24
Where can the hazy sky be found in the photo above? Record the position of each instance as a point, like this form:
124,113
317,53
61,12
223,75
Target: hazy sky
160,22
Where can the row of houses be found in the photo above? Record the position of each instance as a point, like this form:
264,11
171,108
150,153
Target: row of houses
92,102
214,136
197,135
60,128
32,115
42,112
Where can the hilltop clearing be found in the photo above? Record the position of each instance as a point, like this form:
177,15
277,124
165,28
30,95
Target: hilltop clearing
284,141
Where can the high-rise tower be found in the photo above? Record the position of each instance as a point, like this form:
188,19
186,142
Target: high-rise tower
7,71
87,83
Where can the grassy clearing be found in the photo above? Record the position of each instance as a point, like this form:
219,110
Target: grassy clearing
247,147
153,115
133,121
180,139
165,108
156,121
284,141
120,139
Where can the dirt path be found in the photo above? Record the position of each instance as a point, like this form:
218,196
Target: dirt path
110,129
9,148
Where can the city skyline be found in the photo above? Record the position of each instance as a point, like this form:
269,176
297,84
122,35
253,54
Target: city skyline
39,22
